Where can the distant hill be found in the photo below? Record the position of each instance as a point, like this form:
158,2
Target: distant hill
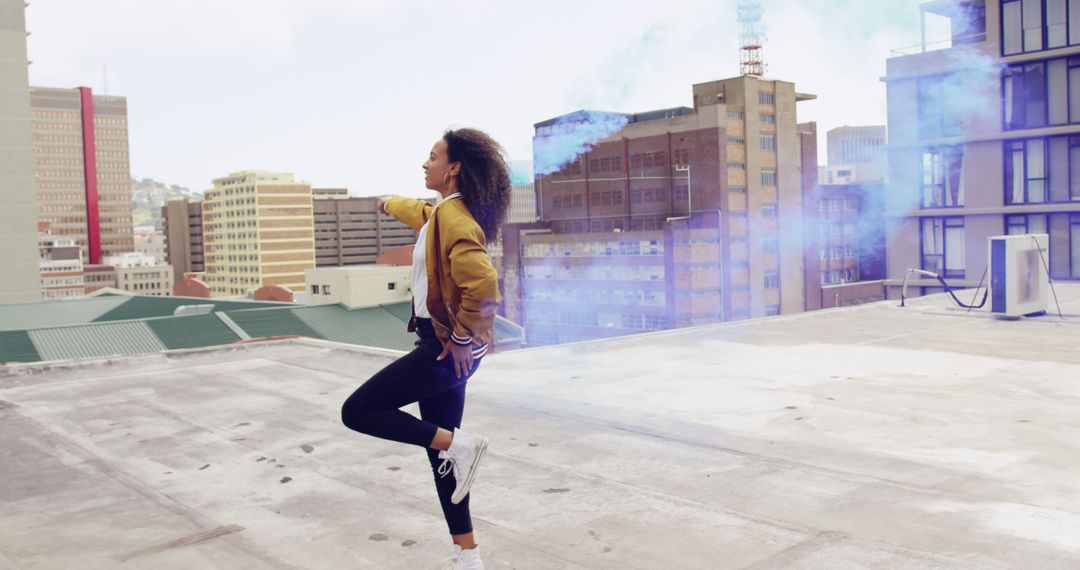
149,195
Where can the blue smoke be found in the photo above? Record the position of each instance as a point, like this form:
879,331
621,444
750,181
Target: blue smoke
571,136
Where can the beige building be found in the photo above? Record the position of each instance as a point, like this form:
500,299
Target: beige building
183,231
82,174
141,274
984,139
20,279
99,276
685,216
522,204
358,286
61,267
150,242
257,231
350,230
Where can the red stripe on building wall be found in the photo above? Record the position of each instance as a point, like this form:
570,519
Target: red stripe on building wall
93,215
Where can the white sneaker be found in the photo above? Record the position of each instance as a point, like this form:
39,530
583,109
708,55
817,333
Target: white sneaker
464,455
466,559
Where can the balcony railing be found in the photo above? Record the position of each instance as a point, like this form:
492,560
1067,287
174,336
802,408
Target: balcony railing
939,45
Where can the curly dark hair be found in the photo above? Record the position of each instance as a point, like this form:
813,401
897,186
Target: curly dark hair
484,178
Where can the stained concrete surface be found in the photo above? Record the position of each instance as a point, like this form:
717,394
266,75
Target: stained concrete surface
865,437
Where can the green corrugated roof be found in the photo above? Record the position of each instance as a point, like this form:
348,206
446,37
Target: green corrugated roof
192,331
372,326
88,341
272,322
146,307
381,326
44,314
16,346
401,310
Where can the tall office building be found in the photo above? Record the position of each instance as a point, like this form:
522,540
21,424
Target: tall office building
351,230
856,155
852,145
984,132
258,230
82,175
183,229
685,216
20,279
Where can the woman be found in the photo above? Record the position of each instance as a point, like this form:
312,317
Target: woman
455,295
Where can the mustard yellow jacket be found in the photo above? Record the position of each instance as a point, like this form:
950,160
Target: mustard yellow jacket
463,290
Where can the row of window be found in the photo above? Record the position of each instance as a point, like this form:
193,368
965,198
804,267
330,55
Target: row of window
838,204
595,272
593,248
1028,177
1035,25
596,297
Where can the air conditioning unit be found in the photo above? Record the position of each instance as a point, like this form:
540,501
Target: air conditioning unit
1019,283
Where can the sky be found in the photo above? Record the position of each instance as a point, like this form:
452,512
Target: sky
353,93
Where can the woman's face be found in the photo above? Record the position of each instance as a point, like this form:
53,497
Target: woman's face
438,169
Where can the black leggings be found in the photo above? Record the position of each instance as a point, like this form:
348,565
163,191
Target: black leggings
373,409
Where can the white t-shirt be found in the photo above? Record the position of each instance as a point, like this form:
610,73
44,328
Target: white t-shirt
419,266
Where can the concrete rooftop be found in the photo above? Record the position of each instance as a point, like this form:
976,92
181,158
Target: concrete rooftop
865,437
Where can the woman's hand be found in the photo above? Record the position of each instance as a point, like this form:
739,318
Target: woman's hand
382,204
463,358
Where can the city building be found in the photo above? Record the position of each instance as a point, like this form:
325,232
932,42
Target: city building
141,274
522,208
351,230
855,145
856,155
99,276
61,266
20,277
358,286
845,229
82,174
984,139
150,241
257,231
183,230
685,216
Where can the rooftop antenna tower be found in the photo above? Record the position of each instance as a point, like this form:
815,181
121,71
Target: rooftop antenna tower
751,36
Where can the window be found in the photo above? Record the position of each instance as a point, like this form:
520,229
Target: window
1026,174
768,211
391,286
1024,28
314,289
325,289
772,280
766,98
682,156
942,182
768,177
738,189
1031,224
738,115
737,141
1074,169
943,246
772,310
1025,96
767,118
768,142
1074,246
